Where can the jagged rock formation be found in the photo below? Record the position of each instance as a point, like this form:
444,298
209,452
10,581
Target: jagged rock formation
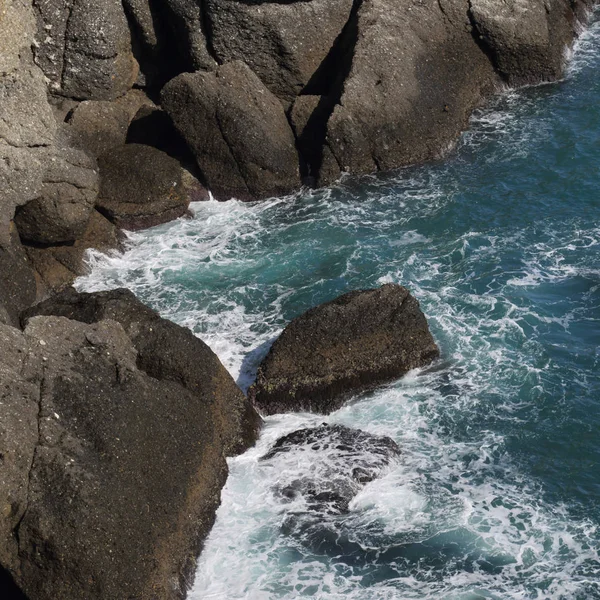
284,43
114,427
259,96
350,344
368,85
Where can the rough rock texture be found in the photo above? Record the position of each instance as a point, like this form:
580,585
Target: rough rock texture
117,473
17,27
62,210
237,130
19,408
173,29
284,43
308,117
57,267
140,187
167,351
98,126
84,48
326,466
27,132
526,38
415,77
352,343
17,280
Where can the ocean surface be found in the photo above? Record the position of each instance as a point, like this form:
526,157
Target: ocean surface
497,491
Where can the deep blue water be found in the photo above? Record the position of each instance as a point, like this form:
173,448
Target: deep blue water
497,492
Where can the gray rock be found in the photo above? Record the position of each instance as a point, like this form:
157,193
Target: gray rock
169,38
17,27
167,351
18,287
19,398
416,74
84,48
27,133
62,210
98,126
342,347
308,117
526,38
140,187
57,267
237,130
284,43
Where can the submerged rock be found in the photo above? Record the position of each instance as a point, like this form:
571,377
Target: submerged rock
325,467
350,344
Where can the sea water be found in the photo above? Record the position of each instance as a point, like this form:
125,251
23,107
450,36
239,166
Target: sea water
497,491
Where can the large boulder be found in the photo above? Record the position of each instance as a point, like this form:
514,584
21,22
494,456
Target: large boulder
336,462
112,475
167,351
237,130
114,428
61,211
84,48
140,187
526,38
285,43
350,344
415,76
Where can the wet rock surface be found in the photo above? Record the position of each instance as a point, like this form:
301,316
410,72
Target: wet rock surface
338,461
342,347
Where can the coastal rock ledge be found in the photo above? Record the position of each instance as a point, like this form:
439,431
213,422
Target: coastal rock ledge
348,345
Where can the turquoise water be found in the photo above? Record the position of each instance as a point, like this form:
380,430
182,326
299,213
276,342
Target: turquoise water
496,494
